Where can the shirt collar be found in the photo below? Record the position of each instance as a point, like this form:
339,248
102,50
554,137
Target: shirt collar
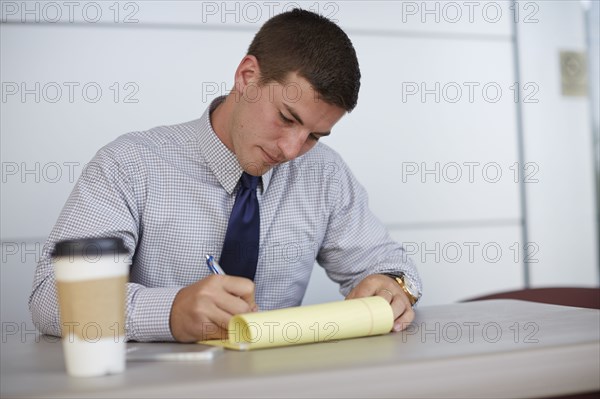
222,162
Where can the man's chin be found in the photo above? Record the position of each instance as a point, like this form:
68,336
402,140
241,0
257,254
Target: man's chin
258,170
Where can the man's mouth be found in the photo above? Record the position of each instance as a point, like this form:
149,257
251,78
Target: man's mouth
270,159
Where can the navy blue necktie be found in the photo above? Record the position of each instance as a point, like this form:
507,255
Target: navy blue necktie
240,249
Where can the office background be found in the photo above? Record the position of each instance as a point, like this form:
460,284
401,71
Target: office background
474,135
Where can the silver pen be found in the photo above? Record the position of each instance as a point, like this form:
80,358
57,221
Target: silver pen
213,266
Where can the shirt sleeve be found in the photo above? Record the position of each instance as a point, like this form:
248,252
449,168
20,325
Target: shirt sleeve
103,204
356,243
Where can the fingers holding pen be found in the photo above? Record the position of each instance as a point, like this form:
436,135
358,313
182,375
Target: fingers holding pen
202,310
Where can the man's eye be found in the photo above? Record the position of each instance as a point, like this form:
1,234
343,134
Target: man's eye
285,120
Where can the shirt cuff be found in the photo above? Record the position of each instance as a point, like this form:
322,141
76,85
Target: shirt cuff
150,314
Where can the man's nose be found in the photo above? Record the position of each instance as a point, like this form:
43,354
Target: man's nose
292,144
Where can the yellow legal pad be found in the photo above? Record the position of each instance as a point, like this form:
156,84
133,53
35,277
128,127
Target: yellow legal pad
308,324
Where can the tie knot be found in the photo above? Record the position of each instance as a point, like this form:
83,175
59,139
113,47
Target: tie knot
249,181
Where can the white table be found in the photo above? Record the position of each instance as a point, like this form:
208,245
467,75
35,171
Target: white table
499,348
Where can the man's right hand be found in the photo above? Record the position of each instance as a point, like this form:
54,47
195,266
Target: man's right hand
202,310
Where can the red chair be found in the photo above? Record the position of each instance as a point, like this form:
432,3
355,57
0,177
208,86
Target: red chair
567,296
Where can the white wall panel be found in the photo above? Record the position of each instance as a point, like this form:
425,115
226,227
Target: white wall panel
457,264
392,138
558,137
171,74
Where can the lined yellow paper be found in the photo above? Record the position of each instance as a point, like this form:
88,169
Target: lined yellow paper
308,324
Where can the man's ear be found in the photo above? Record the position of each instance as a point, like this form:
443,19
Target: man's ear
247,73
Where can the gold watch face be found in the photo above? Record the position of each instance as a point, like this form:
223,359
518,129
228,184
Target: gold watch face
410,287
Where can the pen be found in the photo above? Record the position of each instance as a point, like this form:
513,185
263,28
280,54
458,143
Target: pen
213,266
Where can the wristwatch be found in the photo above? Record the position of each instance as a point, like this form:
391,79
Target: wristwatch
409,288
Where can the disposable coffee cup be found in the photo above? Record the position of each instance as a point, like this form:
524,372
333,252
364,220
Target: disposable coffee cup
91,277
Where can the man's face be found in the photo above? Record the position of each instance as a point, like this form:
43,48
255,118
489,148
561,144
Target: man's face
276,123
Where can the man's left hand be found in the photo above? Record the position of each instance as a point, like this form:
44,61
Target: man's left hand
390,290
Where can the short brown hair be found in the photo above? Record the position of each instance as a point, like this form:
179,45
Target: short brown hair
314,47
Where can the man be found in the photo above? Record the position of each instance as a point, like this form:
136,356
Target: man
171,194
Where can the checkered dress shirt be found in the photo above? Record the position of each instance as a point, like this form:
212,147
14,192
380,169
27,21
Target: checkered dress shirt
168,192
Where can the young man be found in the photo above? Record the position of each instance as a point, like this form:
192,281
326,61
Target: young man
250,165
